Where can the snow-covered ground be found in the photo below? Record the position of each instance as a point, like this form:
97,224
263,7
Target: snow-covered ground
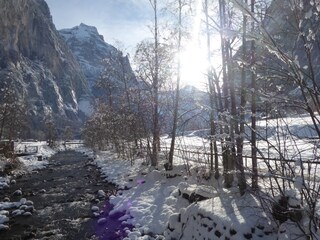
31,162
152,199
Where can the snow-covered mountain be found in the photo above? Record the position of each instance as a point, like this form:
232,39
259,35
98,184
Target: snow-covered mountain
37,63
97,58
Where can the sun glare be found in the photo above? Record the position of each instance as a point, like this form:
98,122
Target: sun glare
193,66
193,59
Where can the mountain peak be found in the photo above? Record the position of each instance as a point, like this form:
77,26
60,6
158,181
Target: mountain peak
87,28
190,89
91,52
82,32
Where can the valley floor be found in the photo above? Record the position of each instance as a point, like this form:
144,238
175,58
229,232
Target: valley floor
150,203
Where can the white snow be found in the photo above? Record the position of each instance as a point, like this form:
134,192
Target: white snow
153,203
31,162
81,32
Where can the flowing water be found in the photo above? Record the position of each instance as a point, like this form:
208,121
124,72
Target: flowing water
63,195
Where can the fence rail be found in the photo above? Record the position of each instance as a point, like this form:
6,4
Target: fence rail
26,150
245,157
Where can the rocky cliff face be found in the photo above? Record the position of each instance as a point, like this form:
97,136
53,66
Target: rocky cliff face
294,29
98,58
38,64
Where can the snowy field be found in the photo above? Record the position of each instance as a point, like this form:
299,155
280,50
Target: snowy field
293,138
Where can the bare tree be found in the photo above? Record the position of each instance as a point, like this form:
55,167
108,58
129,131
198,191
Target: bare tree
155,88
51,132
146,69
228,160
253,107
68,134
284,64
214,158
181,4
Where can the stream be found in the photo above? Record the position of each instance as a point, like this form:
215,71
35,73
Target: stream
63,195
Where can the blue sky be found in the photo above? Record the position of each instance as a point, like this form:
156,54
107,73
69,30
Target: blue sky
126,21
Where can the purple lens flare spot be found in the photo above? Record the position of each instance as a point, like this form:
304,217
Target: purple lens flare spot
140,181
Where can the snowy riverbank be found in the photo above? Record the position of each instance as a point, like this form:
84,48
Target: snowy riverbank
25,164
155,203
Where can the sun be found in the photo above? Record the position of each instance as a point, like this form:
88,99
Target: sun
194,62
194,66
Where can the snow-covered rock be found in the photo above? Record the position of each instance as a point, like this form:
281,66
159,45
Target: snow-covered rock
96,214
96,56
42,191
3,219
222,218
17,212
4,227
101,194
102,221
17,193
95,209
27,214
29,203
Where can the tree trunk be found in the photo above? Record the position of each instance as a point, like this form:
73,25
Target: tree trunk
225,45
155,86
240,167
177,96
253,111
213,144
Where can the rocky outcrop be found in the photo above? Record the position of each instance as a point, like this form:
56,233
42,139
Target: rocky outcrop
38,64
